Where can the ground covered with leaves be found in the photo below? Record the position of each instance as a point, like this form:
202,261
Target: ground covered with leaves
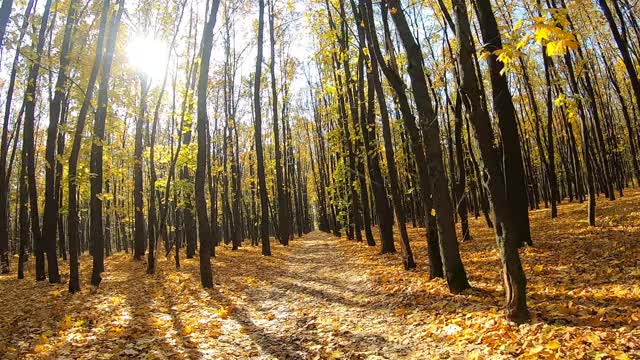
324,297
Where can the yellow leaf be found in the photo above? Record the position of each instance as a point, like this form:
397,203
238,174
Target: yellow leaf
224,312
537,269
594,339
393,10
535,350
39,348
187,330
518,25
553,345
622,356
66,323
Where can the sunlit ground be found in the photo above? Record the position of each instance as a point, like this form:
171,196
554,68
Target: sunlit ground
331,298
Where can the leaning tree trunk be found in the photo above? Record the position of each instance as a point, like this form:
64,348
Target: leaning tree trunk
623,47
449,252
5,12
505,217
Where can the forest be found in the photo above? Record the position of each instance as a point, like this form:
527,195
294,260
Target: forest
320,179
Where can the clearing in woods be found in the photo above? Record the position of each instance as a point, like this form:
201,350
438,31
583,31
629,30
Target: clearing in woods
324,297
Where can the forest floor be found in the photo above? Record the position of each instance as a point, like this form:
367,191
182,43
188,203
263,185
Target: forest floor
330,298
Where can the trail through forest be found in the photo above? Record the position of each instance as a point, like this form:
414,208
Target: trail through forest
327,297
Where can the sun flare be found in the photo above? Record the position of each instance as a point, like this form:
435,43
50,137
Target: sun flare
147,55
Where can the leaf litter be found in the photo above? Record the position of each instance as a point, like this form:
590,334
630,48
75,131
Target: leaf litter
329,298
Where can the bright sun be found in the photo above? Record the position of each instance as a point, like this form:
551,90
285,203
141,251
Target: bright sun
147,55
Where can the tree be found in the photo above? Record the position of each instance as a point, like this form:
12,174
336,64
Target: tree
50,218
97,150
4,145
262,184
204,231
72,218
503,107
5,12
28,146
504,214
283,211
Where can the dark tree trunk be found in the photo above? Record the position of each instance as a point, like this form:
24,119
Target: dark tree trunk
23,217
551,163
4,143
505,216
58,181
262,183
449,252
503,107
5,12
623,47
461,176
157,227
283,209
73,219
97,148
50,216
28,146
204,231
138,179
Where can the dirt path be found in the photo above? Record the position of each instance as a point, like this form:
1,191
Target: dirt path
323,305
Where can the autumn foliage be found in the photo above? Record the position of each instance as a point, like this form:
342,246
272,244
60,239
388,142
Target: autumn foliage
326,297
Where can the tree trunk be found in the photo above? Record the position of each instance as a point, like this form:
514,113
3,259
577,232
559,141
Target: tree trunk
449,252
505,216
262,183
97,147
50,216
204,231
28,146
72,219
4,143
138,179
503,107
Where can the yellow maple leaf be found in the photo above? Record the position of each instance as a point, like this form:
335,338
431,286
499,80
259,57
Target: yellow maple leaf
224,312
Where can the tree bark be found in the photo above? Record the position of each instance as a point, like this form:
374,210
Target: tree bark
204,231
503,107
28,145
50,216
504,214
262,183
97,147
4,143
449,252
73,219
